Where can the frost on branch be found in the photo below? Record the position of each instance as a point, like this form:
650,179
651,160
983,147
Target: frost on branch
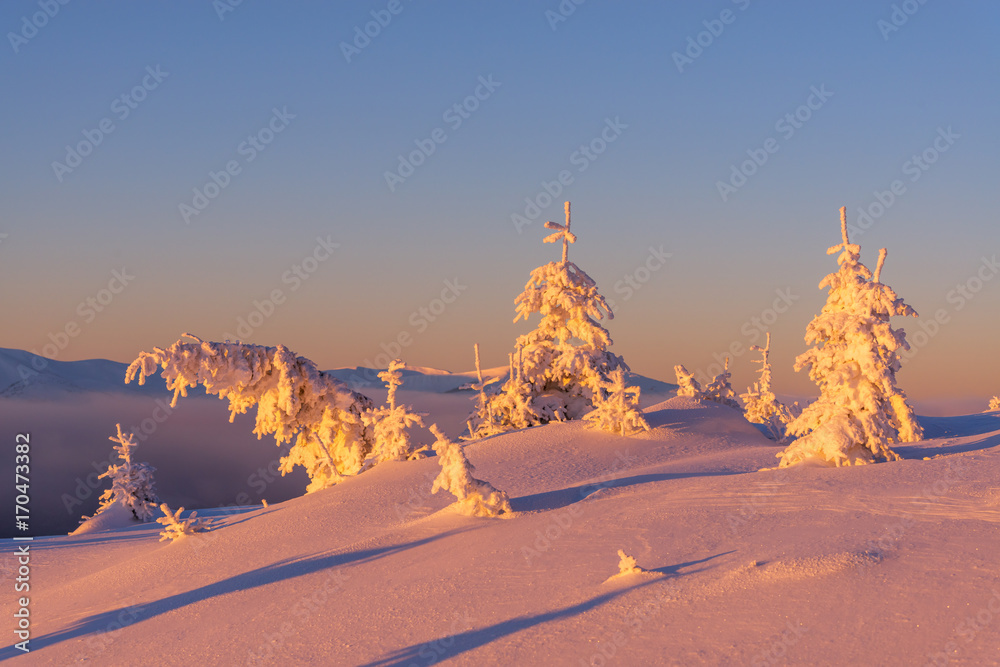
760,405
994,404
861,410
132,484
616,407
176,527
295,401
720,391
562,363
686,384
475,497
387,426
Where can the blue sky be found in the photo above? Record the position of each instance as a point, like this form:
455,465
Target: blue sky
671,134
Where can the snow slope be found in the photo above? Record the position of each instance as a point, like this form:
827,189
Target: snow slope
887,564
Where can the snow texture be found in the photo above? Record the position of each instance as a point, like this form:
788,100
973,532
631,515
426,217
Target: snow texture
295,401
760,405
861,410
475,496
176,527
561,365
132,484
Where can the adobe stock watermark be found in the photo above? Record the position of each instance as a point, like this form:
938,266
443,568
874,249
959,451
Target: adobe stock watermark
898,17
958,298
87,311
419,321
714,28
753,329
31,25
223,7
584,156
778,645
915,167
122,107
294,277
967,630
786,126
634,281
454,116
562,12
363,35
254,144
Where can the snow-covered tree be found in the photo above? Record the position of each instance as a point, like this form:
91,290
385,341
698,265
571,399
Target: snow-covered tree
627,564
562,363
617,407
720,391
686,384
387,426
994,404
475,496
760,405
295,401
861,411
132,484
176,527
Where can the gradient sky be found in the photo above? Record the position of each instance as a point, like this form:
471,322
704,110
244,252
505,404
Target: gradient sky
894,92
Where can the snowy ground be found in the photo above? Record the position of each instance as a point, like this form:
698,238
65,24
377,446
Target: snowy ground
889,564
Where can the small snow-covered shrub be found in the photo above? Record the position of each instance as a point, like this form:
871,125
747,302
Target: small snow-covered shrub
760,405
132,484
686,384
562,363
616,407
387,426
994,404
475,496
176,527
720,391
860,410
295,401
626,564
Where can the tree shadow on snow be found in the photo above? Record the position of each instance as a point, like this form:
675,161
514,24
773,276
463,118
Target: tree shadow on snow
921,449
553,500
270,574
452,645
962,425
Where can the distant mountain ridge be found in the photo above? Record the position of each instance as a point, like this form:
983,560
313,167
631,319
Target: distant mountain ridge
27,375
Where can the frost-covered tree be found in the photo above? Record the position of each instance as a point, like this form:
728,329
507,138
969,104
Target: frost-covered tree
616,408
562,363
760,405
861,411
176,527
132,484
719,390
475,496
994,404
387,426
295,401
686,384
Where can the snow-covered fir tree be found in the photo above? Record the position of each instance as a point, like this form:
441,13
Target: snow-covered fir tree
387,425
562,363
175,527
760,405
994,404
295,401
861,411
617,407
719,390
686,384
475,496
132,484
